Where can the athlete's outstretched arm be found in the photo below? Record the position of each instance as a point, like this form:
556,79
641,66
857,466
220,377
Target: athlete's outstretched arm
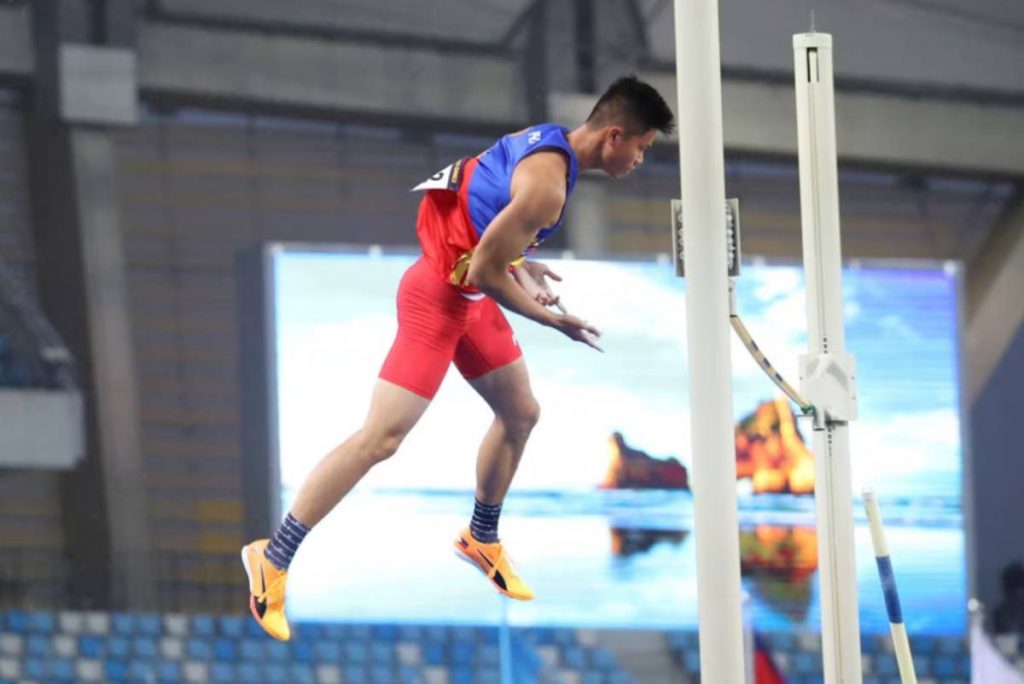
537,197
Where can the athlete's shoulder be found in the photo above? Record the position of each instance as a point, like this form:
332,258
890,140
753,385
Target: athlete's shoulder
542,133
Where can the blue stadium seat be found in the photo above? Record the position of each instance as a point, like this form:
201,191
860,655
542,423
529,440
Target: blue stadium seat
462,675
232,626
42,622
602,659
250,672
435,633
148,624
542,635
465,634
433,654
950,644
885,665
781,641
924,644
141,670
329,651
198,649
922,665
619,678
382,653
300,673
225,649
38,645
301,651
409,675
251,649
355,674
34,668
384,632
963,664
168,671
804,663
462,653
354,652
564,637
410,633
118,647
574,657
488,674
202,625
944,666
115,670
382,674
60,670
275,651
224,672
488,654
17,621
90,646
361,632
275,672
143,647
329,630
123,624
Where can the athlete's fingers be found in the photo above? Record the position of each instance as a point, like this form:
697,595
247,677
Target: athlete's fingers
590,341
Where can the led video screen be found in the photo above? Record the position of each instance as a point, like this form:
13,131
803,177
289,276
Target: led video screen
600,516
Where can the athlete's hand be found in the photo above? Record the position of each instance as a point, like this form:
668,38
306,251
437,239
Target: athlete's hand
532,277
578,329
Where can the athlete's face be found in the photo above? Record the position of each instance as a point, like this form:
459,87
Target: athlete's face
622,152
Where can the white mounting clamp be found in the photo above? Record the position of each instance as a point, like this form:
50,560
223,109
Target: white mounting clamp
732,236
829,381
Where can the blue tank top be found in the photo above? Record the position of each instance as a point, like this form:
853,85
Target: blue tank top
490,185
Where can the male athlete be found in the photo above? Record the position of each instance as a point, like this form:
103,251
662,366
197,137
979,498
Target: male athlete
477,220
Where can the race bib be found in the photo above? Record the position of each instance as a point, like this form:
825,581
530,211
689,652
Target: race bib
447,178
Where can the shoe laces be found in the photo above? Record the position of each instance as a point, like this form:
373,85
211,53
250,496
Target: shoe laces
509,561
275,589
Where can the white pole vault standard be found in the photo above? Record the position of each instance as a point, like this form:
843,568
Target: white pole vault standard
900,641
827,373
702,170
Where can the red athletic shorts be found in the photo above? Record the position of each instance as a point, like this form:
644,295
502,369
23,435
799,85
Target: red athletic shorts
437,324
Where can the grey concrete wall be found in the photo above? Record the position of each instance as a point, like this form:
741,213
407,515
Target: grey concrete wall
15,42
271,70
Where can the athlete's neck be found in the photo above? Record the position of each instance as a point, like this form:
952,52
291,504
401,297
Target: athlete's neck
586,145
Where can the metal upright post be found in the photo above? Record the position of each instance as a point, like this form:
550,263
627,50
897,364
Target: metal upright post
698,71
827,373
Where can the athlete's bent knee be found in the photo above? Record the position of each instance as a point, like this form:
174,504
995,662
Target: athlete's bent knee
520,423
381,446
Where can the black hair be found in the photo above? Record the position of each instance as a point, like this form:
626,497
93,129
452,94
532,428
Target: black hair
634,105
1012,578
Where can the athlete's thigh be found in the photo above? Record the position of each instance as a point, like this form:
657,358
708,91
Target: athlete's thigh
490,359
394,410
487,344
432,317
507,390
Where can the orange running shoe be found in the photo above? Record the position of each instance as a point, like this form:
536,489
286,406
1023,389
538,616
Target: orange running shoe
491,560
266,590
